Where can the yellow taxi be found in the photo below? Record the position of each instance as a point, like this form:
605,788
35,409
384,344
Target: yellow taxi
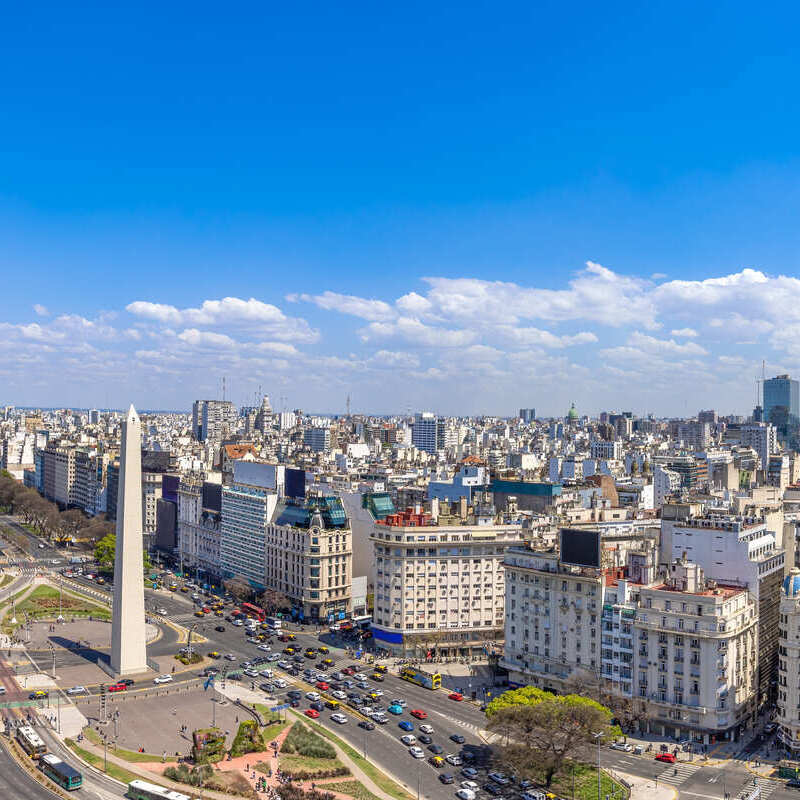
380,668
323,649
291,636
328,662
436,761
213,654
376,676
290,651
199,613
219,613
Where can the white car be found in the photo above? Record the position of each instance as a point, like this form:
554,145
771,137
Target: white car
251,673
264,647
416,752
339,718
77,690
266,673
359,676
276,657
465,794
238,623
626,748
280,683
377,693
163,612
408,739
163,679
426,729
471,785
338,695
453,759
230,657
312,696
398,702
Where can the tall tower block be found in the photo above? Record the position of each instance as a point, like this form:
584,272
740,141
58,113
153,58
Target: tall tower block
128,642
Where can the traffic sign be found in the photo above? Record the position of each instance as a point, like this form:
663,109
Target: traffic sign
279,708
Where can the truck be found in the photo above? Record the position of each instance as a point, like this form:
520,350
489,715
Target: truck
429,681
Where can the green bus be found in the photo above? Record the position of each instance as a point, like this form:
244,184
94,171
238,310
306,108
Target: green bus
60,772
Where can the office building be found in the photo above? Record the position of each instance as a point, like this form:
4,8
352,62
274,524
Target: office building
781,400
318,439
527,415
763,438
213,420
789,664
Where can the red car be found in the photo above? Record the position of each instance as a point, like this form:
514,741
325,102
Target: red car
669,758
313,713
322,686
349,671
419,713
117,687
455,696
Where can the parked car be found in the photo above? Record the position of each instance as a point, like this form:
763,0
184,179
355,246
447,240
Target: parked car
456,696
626,748
405,725
446,777
419,713
465,794
339,719
457,738
366,725
408,739
668,758
312,712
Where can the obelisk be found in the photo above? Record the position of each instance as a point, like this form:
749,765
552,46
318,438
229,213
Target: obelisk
128,642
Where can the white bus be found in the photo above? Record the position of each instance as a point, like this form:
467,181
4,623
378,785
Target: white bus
30,741
142,790
273,623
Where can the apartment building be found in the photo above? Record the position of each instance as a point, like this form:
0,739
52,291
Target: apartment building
213,420
696,661
199,514
440,583
789,664
607,451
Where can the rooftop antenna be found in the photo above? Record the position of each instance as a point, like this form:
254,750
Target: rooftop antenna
348,404
223,388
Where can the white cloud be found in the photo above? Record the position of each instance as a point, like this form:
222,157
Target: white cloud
415,332
370,310
196,338
541,338
687,333
40,310
251,314
649,344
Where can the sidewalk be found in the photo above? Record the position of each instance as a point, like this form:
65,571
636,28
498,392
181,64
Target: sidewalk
646,789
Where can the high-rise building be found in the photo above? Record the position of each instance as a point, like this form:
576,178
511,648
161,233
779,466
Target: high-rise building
213,420
781,399
527,415
763,438
318,439
789,664
430,433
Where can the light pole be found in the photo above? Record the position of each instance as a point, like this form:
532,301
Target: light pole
53,652
14,610
599,738
58,697
419,777
60,592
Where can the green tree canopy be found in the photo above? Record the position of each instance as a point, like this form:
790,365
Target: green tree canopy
105,552
541,732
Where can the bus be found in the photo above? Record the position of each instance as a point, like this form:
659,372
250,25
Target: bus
30,741
273,623
60,772
421,678
253,611
142,790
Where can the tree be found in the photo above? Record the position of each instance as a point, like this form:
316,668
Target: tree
271,600
542,731
105,550
588,683
238,587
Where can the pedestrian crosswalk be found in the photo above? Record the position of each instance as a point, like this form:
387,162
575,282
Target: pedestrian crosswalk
676,774
765,787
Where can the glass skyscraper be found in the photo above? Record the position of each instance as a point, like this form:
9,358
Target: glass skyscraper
781,393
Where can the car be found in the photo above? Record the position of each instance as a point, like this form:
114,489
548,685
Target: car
317,705
294,694
395,709
274,657
362,684
626,748
408,739
266,687
77,690
426,728
322,686
220,629
380,719
667,758
405,725
213,654
436,761
469,772
456,696
339,719
424,738
210,671
163,679
447,777
126,681
794,783
398,701
313,696
366,725
199,614
465,794
251,673
376,676
419,713
264,647
457,738
770,728
492,789
416,752
230,657
237,623
452,758
499,778
359,676
376,693
162,611
436,749
312,712
469,785
280,683
38,694
349,671
338,695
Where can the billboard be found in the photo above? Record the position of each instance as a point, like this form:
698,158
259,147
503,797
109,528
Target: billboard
580,547
169,487
295,482
212,496
256,473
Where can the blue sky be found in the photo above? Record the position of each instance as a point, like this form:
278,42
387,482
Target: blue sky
407,204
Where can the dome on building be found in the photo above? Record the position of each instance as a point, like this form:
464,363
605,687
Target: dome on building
791,583
572,415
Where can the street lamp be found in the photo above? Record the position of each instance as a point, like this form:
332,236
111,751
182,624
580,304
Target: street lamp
60,592
14,610
53,652
599,738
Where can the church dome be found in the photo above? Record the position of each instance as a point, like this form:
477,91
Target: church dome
791,583
572,414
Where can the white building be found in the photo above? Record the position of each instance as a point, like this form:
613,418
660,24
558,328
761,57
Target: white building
609,451
318,439
665,483
789,664
763,438
439,588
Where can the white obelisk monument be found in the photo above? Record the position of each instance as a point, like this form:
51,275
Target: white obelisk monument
128,642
